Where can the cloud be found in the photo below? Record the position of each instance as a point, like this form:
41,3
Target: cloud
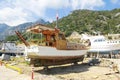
115,1
12,16
86,4
14,12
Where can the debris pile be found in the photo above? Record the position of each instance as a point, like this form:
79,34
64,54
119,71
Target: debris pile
105,63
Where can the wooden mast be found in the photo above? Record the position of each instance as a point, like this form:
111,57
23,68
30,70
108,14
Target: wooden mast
22,38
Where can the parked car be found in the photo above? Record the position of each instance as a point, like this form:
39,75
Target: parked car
94,61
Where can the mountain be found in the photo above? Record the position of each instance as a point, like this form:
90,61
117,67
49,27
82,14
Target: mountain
6,30
90,21
3,27
42,21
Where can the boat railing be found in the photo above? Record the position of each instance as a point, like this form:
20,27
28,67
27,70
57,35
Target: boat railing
75,46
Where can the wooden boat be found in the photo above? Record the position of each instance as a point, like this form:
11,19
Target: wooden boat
57,50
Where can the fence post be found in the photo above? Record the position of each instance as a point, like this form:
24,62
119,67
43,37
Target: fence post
32,74
0,63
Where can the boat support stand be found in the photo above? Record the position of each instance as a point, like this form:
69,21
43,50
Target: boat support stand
45,68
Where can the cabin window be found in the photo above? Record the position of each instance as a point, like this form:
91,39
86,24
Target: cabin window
99,40
61,37
53,38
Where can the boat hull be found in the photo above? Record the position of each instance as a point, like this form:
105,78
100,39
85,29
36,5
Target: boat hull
103,48
48,56
50,61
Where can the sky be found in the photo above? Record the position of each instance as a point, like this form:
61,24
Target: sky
15,12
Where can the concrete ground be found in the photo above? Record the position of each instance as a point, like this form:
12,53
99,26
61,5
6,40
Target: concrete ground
64,72
8,74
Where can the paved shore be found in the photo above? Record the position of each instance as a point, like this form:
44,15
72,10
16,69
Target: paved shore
64,72
8,74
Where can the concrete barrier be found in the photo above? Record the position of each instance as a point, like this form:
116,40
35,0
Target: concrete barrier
14,68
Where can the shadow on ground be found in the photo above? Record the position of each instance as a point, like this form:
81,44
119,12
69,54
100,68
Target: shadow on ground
65,69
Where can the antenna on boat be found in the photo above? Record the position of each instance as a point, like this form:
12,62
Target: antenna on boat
56,20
